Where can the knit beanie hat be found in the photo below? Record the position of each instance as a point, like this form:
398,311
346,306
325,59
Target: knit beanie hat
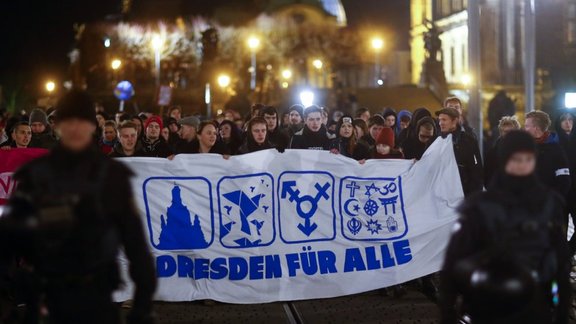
514,142
38,116
386,137
76,104
154,119
298,108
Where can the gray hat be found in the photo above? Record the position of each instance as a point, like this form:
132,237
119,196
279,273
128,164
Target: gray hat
190,121
38,116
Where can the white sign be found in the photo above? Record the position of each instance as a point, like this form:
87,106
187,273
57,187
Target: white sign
272,226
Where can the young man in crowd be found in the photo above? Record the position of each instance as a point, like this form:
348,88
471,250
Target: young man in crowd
456,103
188,133
552,168
466,151
153,144
296,112
42,136
363,113
276,136
21,136
128,139
375,125
314,135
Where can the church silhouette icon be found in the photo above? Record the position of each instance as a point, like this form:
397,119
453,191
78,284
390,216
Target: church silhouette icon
177,230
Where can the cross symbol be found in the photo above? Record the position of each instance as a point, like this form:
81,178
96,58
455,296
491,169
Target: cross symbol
352,186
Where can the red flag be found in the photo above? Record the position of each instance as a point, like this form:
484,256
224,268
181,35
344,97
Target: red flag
10,161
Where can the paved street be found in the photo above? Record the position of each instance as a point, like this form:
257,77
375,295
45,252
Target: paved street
363,308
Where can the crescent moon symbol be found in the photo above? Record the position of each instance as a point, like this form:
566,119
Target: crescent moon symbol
347,204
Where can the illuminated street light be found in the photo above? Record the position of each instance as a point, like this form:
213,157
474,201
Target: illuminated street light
116,63
253,44
377,45
287,74
107,42
50,86
466,80
307,98
570,100
317,64
157,44
223,81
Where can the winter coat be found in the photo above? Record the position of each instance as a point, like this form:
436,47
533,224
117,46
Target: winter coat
305,139
474,234
194,148
469,161
45,140
341,144
158,148
96,192
412,147
279,139
552,165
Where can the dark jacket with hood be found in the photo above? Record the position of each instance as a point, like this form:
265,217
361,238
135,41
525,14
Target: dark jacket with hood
513,230
194,148
412,147
118,152
306,139
158,148
250,145
412,130
45,140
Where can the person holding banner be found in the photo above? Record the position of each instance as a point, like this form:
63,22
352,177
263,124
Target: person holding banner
314,135
207,141
127,145
346,141
508,256
68,218
21,136
256,136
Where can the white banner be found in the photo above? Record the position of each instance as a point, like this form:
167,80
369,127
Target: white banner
272,226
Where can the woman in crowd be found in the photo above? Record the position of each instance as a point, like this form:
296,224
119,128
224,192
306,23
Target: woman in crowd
346,141
231,136
207,140
256,136
109,137
508,256
361,127
384,148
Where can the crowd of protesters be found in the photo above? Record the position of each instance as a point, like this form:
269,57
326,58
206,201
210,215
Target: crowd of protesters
362,136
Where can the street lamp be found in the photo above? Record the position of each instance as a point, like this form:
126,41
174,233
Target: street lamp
317,64
223,81
115,65
287,74
50,86
377,45
253,44
157,44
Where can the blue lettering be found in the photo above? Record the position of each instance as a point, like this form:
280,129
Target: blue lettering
293,264
185,267
309,264
219,270
387,259
165,266
256,267
273,267
402,251
371,259
353,261
327,261
238,268
201,269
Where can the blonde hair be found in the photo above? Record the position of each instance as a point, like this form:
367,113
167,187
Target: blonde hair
541,119
509,121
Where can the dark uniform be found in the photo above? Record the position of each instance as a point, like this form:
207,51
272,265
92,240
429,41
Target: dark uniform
508,256
67,219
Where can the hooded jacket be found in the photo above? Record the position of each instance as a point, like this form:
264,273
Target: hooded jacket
411,130
306,139
412,147
552,166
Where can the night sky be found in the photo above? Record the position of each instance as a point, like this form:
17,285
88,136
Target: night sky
37,34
